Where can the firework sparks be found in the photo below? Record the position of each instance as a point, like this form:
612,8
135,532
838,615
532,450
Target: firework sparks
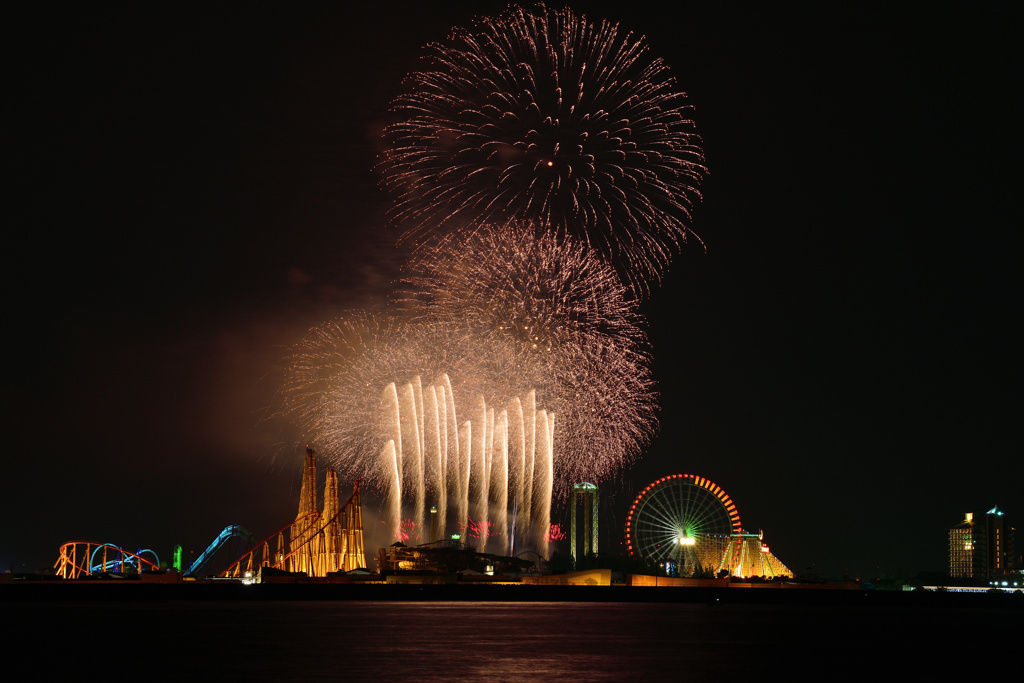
521,282
408,531
475,529
602,395
548,315
556,533
336,375
546,167
542,115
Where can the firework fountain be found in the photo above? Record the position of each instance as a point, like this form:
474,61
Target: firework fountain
495,468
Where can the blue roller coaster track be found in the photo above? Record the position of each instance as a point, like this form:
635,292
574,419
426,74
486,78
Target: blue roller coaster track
229,532
119,564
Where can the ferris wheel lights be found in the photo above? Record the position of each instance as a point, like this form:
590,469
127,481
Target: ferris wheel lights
663,513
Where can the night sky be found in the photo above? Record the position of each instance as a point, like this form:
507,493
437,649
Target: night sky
191,192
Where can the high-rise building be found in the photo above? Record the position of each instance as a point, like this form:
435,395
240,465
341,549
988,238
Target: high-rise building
584,537
982,546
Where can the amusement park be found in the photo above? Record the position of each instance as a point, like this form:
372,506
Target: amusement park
681,530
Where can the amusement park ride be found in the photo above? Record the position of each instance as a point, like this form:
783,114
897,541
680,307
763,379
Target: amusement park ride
688,524
84,558
319,542
316,542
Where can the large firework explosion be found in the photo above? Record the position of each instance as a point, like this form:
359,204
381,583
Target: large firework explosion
603,400
502,312
523,282
565,326
542,115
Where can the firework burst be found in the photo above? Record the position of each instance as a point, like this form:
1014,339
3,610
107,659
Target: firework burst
519,281
542,115
556,533
548,315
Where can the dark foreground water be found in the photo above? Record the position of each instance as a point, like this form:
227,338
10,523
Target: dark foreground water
242,640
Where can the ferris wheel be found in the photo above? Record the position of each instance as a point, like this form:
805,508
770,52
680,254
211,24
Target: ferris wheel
682,521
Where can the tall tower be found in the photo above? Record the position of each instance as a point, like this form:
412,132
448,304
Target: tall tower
331,524
999,546
584,496
354,558
301,532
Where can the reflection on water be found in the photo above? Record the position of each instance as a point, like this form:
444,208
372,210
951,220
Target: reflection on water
468,641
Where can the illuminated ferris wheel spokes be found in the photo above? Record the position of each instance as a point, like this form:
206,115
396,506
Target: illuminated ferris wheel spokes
678,516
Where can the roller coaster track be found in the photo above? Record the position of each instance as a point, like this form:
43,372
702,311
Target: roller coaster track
322,547
306,524
229,532
77,557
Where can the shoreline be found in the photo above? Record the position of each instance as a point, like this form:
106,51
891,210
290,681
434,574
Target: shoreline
199,591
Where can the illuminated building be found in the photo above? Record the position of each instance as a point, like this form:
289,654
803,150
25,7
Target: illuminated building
445,557
982,546
748,555
584,496
961,548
